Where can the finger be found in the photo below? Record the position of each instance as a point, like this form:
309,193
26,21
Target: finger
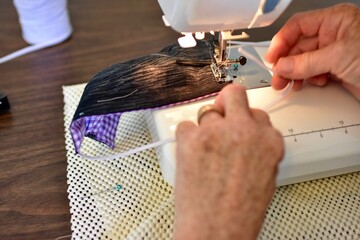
304,45
290,34
233,100
307,24
261,116
183,129
278,48
279,83
219,101
306,65
298,83
185,139
320,80
210,116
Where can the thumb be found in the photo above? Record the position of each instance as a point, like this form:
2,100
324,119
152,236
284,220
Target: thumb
306,65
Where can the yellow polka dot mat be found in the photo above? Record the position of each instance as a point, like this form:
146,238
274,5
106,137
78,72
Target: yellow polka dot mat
128,199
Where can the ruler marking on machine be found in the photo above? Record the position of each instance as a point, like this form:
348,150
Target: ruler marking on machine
320,131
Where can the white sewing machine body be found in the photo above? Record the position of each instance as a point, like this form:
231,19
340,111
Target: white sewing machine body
199,16
213,15
320,126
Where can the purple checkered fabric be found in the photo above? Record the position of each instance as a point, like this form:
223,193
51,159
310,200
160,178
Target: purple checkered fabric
103,127
100,127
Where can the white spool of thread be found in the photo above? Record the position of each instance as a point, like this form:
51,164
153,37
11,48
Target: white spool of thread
43,20
44,23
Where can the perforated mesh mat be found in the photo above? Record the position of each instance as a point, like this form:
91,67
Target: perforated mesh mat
128,199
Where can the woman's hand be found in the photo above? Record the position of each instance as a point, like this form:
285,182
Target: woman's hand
317,46
226,170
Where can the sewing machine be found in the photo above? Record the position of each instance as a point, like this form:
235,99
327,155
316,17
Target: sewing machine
321,127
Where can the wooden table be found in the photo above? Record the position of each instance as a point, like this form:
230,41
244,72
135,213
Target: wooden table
33,197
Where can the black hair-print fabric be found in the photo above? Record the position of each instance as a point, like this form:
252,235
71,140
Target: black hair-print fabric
170,76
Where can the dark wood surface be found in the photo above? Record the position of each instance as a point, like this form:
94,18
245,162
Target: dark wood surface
33,197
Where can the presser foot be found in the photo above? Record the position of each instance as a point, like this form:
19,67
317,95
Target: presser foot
228,70
238,69
231,65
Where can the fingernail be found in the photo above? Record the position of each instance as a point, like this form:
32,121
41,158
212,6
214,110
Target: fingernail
284,66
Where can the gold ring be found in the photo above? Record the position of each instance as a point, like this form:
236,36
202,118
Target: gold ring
208,108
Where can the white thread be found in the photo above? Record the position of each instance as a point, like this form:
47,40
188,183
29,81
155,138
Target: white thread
62,237
159,143
120,97
253,44
44,23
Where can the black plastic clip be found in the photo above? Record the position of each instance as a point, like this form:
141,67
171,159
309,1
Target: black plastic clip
4,103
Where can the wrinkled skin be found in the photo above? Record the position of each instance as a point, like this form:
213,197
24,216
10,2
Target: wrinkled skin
226,170
319,46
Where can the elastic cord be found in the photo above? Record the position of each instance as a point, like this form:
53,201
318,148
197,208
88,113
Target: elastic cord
284,93
280,97
132,151
30,49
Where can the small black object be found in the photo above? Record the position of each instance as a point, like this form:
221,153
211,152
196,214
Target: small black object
242,60
4,103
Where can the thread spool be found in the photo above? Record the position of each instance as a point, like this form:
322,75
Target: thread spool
43,20
44,23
